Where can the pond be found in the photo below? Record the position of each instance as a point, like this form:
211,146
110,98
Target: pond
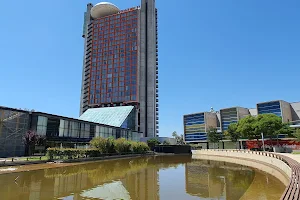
146,178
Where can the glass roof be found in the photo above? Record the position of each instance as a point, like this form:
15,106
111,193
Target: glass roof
112,116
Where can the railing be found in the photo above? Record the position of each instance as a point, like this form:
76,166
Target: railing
292,191
297,122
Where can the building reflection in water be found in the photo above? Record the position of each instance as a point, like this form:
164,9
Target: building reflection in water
217,180
138,179
123,179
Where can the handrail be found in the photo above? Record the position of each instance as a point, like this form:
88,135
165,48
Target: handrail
292,191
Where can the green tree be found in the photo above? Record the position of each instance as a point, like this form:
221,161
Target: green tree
246,127
178,138
213,136
285,130
296,134
232,133
268,124
152,143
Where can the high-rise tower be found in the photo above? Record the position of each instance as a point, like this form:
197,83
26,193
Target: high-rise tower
120,66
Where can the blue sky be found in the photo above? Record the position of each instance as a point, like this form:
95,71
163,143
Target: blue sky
211,53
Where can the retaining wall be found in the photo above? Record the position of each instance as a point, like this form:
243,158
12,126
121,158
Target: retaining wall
283,167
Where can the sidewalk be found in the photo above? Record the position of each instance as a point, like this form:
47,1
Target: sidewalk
12,161
293,156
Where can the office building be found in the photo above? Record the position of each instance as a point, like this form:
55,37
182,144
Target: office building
196,125
232,115
120,66
279,108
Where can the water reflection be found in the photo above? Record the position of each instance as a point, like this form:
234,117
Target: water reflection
148,178
211,179
221,180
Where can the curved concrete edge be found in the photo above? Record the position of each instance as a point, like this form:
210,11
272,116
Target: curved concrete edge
274,171
270,164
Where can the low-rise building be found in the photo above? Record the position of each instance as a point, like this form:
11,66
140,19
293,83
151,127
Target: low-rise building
278,107
58,130
232,115
196,125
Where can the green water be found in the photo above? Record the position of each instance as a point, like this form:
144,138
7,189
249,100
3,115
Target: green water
147,178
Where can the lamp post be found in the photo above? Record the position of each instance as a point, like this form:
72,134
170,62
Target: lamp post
262,137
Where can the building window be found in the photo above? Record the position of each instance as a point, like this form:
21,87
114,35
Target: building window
42,125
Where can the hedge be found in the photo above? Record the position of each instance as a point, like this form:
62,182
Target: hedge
121,145
100,147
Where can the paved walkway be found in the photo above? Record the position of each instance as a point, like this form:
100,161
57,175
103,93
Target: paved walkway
293,156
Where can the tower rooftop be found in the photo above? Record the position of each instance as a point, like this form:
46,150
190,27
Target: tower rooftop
103,9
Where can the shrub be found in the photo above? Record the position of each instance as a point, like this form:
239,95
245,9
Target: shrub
122,145
104,145
139,147
152,142
99,143
101,146
92,153
110,145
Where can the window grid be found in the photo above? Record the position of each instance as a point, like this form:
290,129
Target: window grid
114,71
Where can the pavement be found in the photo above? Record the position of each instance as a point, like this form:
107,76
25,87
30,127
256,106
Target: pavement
293,156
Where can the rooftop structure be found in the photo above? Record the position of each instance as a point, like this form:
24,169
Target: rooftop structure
103,9
122,116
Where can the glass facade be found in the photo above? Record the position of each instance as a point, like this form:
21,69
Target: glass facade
58,130
130,121
13,126
194,127
114,59
72,131
228,116
270,107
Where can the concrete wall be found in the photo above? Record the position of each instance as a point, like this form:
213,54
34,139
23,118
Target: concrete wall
242,112
85,75
218,119
286,111
278,168
142,68
253,112
148,68
151,69
210,120
295,110
160,139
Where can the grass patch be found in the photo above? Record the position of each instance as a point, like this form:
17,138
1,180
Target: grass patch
35,158
296,152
